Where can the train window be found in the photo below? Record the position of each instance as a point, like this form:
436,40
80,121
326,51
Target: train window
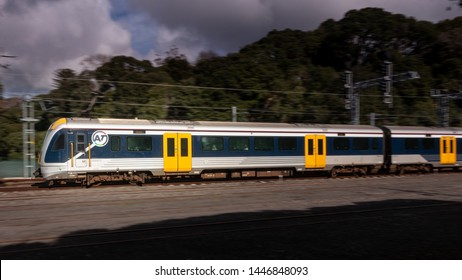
375,143
115,143
80,143
320,147
184,147
238,143
59,143
287,143
310,147
411,144
212,143
170,147
139,143
429,143
264,144
360,144
341,144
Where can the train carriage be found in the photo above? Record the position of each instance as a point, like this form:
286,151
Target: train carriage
424,148
95,150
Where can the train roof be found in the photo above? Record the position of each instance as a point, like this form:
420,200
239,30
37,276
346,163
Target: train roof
422,130
103,123
106,123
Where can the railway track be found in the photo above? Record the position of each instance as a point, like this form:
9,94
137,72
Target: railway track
37,184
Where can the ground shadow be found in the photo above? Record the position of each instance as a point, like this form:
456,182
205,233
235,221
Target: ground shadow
391,229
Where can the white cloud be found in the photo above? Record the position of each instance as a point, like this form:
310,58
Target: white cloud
51,34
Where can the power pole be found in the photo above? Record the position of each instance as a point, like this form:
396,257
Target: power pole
234,113
443,96
388,84
28,136
352,100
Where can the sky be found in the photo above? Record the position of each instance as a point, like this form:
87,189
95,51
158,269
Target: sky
47,35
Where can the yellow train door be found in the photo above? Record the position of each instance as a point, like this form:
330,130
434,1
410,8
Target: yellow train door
315,151
177,152
448,150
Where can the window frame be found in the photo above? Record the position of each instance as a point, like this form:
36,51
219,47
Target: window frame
341,144
80,145
411,144
238,146
61,141
141,148
113,141
287,143
212,146
265,147
360,144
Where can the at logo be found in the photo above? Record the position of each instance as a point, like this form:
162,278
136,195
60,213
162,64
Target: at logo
100,138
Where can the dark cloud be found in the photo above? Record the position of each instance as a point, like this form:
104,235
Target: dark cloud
215,24
225,26
228,25
47,35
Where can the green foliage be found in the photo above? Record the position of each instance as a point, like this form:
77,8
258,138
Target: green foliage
287,76
10,133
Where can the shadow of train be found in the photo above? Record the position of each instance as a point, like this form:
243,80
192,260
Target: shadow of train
391,229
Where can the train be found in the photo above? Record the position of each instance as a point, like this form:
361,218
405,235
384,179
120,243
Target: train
92,151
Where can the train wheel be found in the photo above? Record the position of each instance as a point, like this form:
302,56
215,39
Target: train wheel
428,169
333,173
136,183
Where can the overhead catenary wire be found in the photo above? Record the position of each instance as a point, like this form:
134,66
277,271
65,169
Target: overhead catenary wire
229,88
243,110
195,87
256,110
121,99
210,88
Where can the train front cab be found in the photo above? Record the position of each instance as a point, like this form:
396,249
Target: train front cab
66,153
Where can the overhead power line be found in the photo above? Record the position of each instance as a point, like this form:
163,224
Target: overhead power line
197,87
90,80
232,89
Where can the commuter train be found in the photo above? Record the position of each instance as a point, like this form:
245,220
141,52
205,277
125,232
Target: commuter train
91,151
